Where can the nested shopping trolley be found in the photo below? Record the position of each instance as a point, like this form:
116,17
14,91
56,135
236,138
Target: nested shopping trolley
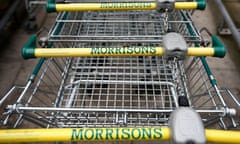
121,70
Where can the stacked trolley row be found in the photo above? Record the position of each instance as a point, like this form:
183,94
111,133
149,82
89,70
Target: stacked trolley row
108,71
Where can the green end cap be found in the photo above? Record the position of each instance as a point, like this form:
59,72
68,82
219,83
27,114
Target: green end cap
29,47
201,4
219,48
51,6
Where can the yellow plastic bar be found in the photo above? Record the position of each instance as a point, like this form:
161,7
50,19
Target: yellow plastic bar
116,51
204,51
186,5
220,136
83,134
106,134
120,6
106,6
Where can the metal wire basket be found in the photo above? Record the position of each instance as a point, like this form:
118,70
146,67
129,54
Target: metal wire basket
117,91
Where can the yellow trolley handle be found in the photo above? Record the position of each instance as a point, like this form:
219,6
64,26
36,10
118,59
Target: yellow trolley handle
52,6
30,51
106,134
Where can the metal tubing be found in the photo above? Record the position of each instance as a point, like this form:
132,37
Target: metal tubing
233,97
20,108
228,20
8,94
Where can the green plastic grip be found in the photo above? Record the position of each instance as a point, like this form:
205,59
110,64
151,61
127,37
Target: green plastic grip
36,69
51,6
220,50
28,52
29,47
201,4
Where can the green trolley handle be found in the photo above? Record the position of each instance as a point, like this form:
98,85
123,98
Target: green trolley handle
30,51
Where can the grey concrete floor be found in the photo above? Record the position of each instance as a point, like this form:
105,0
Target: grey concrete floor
15,71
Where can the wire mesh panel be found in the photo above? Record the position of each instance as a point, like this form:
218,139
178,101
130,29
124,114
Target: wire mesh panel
115,83
125,26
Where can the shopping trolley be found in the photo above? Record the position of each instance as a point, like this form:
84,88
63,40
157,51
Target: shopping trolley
119,75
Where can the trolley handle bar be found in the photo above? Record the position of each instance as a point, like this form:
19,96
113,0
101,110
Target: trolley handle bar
109,134
30,51
52,6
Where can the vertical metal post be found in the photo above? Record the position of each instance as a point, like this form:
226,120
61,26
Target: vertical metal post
228,20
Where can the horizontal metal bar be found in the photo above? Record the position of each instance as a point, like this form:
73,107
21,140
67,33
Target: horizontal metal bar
106,74
20,108
119,21
122,82
37,3
119,67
